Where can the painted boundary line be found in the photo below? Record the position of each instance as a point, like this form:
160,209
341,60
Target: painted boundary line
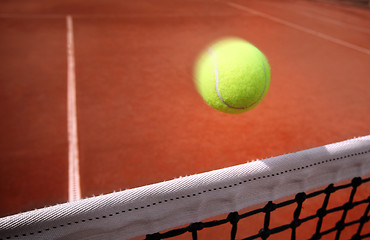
301,28
341,24
303,10
74,189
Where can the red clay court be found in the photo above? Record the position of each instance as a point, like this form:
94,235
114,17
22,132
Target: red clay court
98,96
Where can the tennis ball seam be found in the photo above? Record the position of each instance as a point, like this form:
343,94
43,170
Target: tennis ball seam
213,57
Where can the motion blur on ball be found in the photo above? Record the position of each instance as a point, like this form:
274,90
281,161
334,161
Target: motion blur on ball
232,75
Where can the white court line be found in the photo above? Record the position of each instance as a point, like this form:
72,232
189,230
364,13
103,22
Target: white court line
301,28
303,12
346,25
74,188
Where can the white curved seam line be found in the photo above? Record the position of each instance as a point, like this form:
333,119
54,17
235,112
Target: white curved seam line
213,56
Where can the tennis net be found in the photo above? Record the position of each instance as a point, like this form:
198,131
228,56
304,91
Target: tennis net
233,218
316,178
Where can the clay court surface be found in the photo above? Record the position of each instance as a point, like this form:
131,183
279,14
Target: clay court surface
139,117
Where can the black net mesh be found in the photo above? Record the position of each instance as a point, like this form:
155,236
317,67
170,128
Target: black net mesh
358,226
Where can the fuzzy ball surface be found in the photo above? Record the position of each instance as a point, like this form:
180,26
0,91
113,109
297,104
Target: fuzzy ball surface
232,75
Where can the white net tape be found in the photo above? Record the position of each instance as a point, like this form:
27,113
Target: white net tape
153,208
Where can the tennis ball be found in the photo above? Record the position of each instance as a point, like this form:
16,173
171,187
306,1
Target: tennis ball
232,75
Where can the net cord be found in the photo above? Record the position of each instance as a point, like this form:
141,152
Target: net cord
154,208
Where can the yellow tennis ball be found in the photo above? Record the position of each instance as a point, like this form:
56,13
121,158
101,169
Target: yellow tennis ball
232,75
